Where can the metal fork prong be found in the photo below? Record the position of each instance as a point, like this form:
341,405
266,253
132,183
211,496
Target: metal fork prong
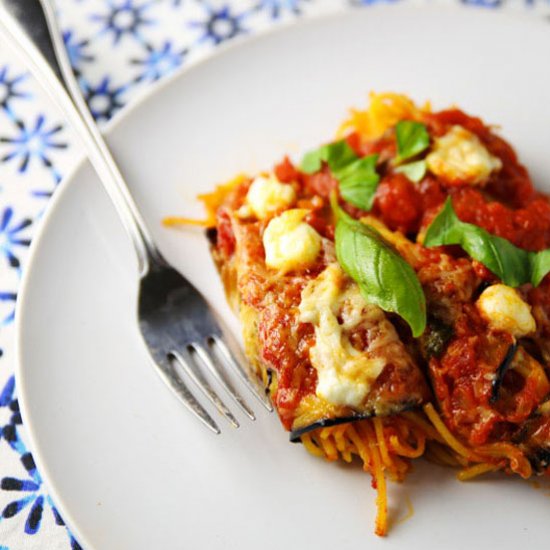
186,361
243,375
219,374
178,386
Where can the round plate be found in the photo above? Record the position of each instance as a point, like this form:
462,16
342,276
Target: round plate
128,466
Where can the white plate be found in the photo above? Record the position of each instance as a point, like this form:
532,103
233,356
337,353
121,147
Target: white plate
125,462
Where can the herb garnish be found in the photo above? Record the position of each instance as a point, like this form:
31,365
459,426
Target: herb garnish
357,177
512,265
337,155
412,138
359,181
415,171
383,276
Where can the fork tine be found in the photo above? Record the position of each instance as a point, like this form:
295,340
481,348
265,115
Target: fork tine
176,384
219,374
243,375
197,377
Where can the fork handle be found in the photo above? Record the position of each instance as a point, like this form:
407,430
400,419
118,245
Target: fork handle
31,26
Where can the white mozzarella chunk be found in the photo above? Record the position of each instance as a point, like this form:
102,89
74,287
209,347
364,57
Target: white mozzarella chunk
503,308
459,156
289,242
267,196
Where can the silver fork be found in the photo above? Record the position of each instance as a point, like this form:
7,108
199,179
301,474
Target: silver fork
175,320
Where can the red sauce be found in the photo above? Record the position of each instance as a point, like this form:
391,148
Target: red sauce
527,227
440,122
463,383
385,147
225,238
286,349
286,172
321,183
319,220
398,203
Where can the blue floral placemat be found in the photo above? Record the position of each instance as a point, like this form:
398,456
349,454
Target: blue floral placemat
119,49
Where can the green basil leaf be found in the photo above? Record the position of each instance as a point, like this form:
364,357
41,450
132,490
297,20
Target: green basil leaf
383,276
415,171
356,176
312,161
336,155
339,154
512,265
540,266
412,138
359,181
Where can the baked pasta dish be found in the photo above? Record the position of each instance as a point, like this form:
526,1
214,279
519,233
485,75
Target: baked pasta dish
392,290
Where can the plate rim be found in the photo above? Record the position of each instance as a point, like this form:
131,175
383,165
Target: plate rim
505,12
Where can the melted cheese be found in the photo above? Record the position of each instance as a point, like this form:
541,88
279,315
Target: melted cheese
345,375
502,307
290,243
267,196
459,156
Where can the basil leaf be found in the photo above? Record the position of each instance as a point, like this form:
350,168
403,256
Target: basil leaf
359,181
311,162
540,266
415,171
512,265
336,155
356,176
412,138
383,276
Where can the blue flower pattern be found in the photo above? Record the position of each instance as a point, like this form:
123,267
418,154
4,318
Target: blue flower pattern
34,141
30,500
7,298
219,24
124,18
159,62
11,236
139,42
104,99
77,50
10,89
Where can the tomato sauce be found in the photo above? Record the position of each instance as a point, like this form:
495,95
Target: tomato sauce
285,347
225,237
398,203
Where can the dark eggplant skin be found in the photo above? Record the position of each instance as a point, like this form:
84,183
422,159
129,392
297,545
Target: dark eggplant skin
540,459
479,290
501,371
212,235
435,339
295,435
536,449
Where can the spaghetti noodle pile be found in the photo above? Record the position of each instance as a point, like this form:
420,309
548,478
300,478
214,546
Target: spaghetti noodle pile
386,446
